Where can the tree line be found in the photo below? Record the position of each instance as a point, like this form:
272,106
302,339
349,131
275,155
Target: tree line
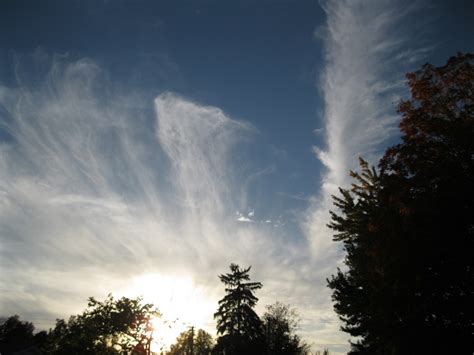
124,326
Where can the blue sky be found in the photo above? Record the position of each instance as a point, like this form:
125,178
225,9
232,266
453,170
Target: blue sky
161,141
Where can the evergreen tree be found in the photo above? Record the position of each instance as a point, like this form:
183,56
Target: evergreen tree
408,229
238,325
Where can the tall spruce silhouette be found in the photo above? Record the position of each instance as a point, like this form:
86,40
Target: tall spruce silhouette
238,325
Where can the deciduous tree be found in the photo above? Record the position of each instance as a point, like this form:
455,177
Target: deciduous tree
17,335
191,343
108,327
280,323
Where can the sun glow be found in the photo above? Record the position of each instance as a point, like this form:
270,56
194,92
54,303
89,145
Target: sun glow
181,303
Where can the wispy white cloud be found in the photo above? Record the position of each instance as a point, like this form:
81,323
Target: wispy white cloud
198,140
98,187
366,48
361,83
244,219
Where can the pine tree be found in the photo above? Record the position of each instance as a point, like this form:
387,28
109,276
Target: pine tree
238,325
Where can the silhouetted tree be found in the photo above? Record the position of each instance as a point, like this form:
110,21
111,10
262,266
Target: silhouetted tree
184,344
203,343
109,327
191,343
409,229
280,323
238,325
15,335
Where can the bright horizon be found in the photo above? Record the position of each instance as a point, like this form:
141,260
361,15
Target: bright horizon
182,304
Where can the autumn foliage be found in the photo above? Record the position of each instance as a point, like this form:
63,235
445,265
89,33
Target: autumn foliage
408,227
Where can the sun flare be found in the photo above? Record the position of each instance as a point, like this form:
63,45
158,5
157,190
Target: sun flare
181,303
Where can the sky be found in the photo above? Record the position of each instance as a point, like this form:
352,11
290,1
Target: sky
146,145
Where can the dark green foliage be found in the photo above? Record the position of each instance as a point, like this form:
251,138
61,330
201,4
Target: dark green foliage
409,229
192,343
109,327
238,325
16,335
280,323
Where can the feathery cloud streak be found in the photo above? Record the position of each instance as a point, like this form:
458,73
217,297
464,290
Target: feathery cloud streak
363,78
99,190
361,83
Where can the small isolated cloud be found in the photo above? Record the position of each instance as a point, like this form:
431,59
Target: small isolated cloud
244,219
247,217
294,197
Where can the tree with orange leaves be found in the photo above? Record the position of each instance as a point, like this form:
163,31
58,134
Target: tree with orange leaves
408,228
